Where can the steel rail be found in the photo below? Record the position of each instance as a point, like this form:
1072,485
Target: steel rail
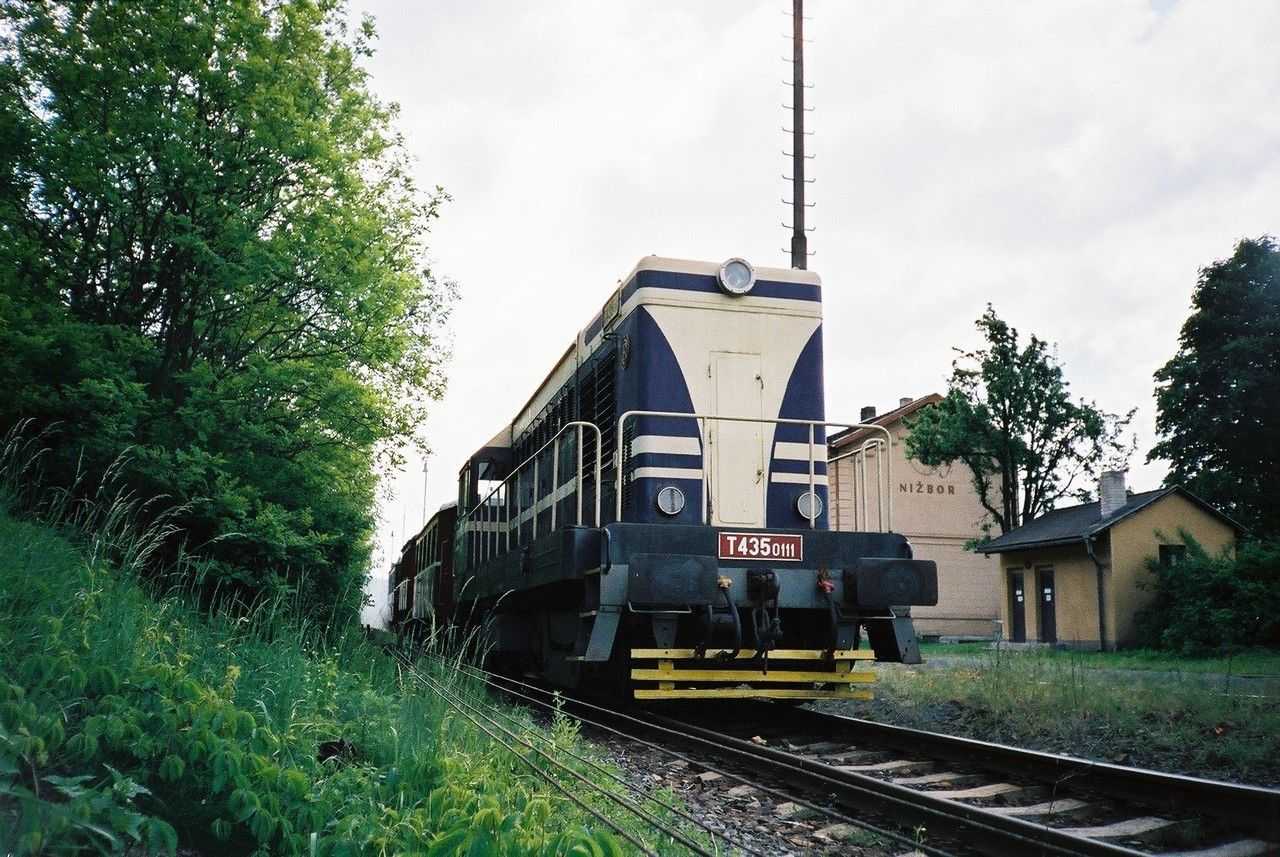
516,689
574,706
984,831
471,712
1254,807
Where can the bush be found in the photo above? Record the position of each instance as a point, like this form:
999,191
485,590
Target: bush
1215,604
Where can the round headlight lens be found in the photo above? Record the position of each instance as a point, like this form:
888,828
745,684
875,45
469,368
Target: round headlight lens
736,276
670,500
809,505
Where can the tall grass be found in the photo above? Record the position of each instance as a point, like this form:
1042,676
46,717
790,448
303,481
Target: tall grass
125,720
113,523
131,721
1258,663
1065,702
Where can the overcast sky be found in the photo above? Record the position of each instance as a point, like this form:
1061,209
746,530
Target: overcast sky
1074,164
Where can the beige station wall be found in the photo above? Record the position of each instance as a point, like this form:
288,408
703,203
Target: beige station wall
938,511
1075,596
1139,537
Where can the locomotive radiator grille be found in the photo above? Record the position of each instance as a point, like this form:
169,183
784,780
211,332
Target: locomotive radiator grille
790,674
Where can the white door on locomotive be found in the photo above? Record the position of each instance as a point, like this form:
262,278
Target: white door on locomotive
738,486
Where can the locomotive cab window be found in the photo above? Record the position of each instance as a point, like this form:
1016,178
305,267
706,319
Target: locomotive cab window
491,492
482,482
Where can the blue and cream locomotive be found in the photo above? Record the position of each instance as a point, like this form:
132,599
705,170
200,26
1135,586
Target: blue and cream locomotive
654,518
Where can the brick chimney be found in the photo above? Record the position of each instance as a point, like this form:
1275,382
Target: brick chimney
1111,493
904,401
868,413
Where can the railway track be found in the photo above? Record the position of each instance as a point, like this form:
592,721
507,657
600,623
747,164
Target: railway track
985,798
971,796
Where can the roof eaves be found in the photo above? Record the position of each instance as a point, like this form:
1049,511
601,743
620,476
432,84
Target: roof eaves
1101,526
849,435
1031,545
1126,510
1235,525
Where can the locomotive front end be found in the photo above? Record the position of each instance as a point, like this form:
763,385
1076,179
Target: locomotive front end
720,613
720,558
654,520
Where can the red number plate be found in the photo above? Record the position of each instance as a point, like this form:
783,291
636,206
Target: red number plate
762,546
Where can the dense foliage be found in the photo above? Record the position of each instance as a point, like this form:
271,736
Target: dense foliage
1207,604
211,254
1008,417
1217,409
129,725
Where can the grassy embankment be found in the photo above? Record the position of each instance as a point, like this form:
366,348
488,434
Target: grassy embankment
129,721
1214,717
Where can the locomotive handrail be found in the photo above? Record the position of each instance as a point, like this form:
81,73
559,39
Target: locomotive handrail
702,419
472,517
884,492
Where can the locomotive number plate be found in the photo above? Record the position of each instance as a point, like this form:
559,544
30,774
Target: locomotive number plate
786,548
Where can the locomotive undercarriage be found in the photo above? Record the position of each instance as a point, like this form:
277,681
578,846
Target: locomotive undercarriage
653,612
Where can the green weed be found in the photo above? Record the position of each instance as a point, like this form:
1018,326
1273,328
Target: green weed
1097,706
131,721
128,722
1258,662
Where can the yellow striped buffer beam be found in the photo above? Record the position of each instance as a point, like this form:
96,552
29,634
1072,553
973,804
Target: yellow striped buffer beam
719,674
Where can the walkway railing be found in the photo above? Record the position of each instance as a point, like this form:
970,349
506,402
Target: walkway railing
872,448
529,498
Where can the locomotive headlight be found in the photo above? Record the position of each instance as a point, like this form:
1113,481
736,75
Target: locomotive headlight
670,500
736,276
809,505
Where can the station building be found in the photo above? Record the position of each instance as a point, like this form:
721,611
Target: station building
937,509
1072,577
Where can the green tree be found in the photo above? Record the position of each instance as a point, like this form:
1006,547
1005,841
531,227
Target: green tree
211,252
1217,409
1008,417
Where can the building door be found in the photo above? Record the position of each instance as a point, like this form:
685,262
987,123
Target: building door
737,475
1017,607
1048,616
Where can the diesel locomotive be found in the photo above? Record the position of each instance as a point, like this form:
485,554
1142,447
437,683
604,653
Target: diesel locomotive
653,521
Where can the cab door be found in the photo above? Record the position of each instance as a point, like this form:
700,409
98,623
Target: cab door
737,475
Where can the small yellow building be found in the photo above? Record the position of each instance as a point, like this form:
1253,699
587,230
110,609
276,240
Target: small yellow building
1071,577
936,508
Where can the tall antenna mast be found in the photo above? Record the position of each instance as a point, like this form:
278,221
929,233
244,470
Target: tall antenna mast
799,240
